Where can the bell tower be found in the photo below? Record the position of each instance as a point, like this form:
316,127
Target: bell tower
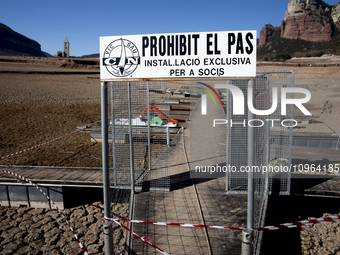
66,48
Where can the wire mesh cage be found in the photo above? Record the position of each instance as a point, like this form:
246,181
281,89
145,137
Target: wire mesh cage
272,144
272,136
142,106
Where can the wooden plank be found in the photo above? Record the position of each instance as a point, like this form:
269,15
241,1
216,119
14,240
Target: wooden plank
179,117
66,176
41,173
162,107
172,100
7,177
178,94
185,101
180,107
73,175
89,176
88,173
97,177
32,173
25,172
58,173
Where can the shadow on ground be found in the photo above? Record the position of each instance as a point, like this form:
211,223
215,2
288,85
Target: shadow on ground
287,209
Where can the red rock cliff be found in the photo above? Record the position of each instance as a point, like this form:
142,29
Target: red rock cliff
266,32
307,20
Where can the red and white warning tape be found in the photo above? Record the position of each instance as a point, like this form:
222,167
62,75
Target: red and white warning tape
144,238
53,140
175,224
275,227
301,223
34,147
33,184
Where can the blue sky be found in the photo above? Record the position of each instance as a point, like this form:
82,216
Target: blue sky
83,22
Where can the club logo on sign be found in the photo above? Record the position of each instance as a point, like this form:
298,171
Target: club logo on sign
121,58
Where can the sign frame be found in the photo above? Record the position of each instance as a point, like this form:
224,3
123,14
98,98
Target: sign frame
180,56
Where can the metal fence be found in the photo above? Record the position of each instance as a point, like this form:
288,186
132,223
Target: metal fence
140,134
272,140
272,144
143,107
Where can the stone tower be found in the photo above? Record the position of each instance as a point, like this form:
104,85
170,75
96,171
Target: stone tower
66,48
66,52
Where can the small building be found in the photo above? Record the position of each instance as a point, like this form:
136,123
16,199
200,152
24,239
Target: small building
66,52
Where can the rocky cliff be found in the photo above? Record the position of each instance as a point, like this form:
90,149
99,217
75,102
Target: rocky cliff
15,44
309,20
266,33
336,15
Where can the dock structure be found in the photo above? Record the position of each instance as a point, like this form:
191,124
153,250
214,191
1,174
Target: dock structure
80,176
16,192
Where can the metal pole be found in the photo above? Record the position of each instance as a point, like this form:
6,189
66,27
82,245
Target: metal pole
247,234
247,242
251,162
148,113
291,133
113,138
168,136
107,226
228,117
267,137
131,142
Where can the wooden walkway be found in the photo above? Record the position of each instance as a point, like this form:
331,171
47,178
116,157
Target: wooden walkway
192,199
80,176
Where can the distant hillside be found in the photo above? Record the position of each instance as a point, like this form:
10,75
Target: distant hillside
309,28
280,49
95,55
15,44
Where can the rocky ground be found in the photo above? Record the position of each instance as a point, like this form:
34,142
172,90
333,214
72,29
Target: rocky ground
44,231
321,238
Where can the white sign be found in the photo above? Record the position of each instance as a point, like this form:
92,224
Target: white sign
184,55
